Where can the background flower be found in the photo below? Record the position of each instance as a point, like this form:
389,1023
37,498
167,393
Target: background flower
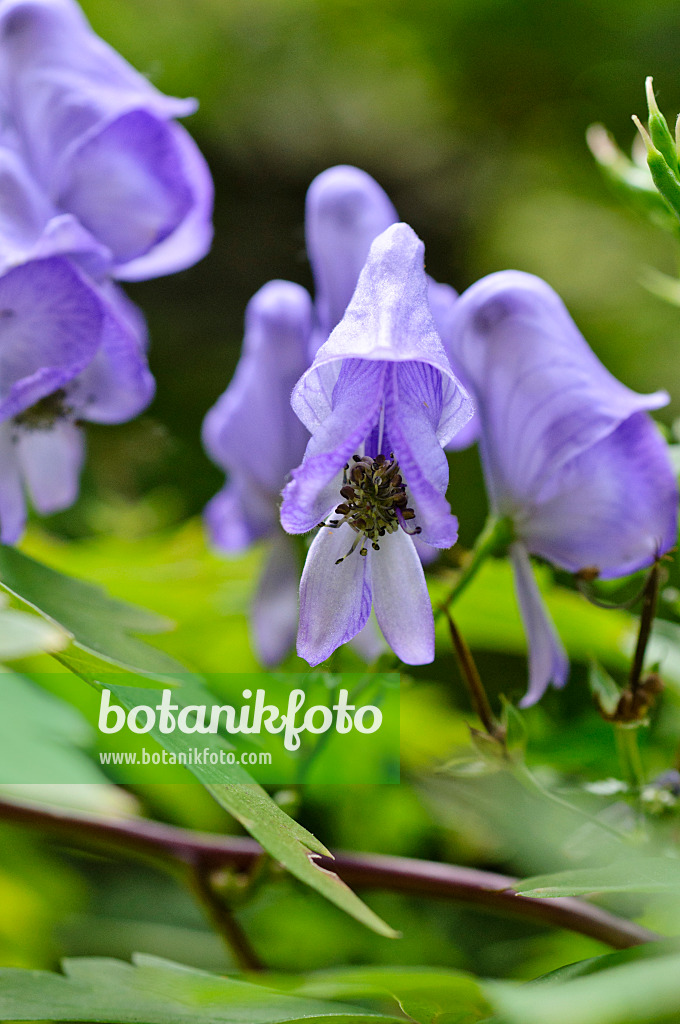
569,454
101,140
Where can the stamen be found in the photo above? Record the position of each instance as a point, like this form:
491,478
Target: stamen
45,412
375,502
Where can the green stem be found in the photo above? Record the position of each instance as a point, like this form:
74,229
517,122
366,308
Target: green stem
629,755
529,781
493,539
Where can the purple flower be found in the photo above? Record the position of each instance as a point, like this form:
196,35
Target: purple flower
570,455
346,210
101,141
252,433
379,400
71,349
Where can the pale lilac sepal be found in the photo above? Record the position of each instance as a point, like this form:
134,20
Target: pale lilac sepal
543,395
548,662
274,612
345,211
335,600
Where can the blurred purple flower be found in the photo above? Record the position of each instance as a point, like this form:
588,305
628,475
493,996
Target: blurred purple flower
71,349
101,141
256,405
569,453
380,400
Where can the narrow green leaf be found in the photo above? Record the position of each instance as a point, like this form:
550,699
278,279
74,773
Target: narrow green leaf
282,837
644,992
96,622
635,874
157,992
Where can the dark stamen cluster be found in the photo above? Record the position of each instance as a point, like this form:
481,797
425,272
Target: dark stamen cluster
375,501
46,412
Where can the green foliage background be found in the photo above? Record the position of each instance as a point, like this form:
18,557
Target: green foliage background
472,114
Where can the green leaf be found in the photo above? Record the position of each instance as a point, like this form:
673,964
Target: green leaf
428,995
515,727
96,622
635,874
22,635
281,836
41,737
156,992
603,688
644,992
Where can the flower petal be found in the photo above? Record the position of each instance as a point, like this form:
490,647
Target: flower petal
50,329
388,320
239,515
402,603
97,138
345,211
543,396
65,81
614,507
335,600
274,613
412,402
314,489
12,501
252,430
126,185
191,240
117,385
442,299
51,459
548,663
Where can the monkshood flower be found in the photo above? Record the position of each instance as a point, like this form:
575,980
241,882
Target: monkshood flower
71,349
101,141
346,210
379,400
570,456
256,408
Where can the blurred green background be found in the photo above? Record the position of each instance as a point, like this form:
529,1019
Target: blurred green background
470,113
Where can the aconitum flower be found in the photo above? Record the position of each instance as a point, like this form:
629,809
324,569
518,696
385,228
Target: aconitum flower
255,409
71,349
379,400
570,455
101,141
346,210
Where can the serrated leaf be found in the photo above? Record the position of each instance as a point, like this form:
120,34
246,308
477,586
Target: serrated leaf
635,874
427,995
157,992
644,992
281,836
96,622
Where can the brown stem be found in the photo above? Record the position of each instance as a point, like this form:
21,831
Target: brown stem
206,852
235,939
647,613
466,662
